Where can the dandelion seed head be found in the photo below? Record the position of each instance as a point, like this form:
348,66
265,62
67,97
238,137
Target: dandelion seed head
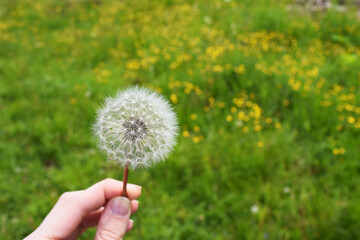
254,209
137,126
286,189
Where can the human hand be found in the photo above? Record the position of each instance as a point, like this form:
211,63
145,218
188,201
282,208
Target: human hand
99,205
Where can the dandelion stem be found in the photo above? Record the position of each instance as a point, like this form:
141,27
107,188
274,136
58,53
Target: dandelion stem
125,178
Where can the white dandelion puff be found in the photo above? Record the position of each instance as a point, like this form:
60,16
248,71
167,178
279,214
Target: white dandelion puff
254,209
136,128
286,189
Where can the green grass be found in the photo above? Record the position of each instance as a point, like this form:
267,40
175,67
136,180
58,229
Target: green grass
267,99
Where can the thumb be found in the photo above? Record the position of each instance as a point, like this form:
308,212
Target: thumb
114,220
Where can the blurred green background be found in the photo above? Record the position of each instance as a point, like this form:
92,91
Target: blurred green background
267,94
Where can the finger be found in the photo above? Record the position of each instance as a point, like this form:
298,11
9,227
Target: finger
92,219
66,196
73,208
114,221
130,225
79,203
103,191
134,206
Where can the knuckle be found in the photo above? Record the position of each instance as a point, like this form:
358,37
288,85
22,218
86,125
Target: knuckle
108,234
65,196
107,181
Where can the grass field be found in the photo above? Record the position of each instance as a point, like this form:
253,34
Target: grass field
267,99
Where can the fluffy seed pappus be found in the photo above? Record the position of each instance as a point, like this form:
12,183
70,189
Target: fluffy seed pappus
137,127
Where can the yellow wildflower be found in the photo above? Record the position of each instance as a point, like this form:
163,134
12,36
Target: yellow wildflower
185,133
73,101
240,69
257,128
351,119
229,118
286,103
174,98
196,139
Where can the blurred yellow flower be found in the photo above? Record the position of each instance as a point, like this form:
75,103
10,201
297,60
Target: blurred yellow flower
240,69
241,115
351,120
257,128
133,64
73,101
338,151
196,139
218,68
187,90
229,118
286,103
185,133
174,98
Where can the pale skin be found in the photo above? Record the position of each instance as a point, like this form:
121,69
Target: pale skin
99,205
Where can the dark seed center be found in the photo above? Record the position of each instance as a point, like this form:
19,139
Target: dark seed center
135,129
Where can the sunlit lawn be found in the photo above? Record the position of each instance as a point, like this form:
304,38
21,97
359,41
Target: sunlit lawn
267,99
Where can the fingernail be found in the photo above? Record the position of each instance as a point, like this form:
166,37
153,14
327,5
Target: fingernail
120,206
131,223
